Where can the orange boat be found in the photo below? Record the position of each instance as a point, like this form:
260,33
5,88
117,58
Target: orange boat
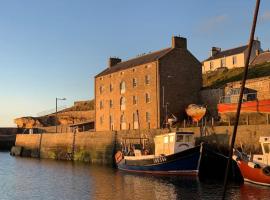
256,170
228,103
196,112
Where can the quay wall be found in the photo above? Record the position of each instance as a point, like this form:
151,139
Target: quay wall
7,137
99,147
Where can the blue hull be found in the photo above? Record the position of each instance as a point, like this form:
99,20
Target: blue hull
185,162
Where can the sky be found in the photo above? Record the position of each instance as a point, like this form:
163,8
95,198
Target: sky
54,48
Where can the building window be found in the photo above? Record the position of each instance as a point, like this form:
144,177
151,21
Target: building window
134,82
122,87
111,122
111,87
234,60
122,103
147,117
147,79
211,65
147,97
101,105
101,120
135,100
101,89
123,125
222,62
111,103
135,121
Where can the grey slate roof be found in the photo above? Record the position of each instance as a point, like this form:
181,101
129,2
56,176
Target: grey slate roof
228,52
135,62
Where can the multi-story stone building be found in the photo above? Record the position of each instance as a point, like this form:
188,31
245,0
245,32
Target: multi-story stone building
230,58
133,94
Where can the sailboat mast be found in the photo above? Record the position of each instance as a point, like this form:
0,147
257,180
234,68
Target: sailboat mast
251,39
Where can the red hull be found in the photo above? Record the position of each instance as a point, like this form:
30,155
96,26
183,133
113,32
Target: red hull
253,175
249,106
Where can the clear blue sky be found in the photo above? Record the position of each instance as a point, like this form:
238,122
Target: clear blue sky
54,48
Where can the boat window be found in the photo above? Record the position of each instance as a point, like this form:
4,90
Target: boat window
188,138
165,139
266,148
171,138
180,138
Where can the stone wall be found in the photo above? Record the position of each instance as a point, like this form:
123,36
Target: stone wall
99,147
210,98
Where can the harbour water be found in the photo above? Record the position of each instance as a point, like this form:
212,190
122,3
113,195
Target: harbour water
33,179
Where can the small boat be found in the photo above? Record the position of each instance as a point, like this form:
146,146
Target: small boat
175,154
255,169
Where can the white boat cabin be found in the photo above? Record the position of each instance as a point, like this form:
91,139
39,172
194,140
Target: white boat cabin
265,157
171,143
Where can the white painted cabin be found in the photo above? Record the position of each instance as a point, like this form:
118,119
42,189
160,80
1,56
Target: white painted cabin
265,157
171,143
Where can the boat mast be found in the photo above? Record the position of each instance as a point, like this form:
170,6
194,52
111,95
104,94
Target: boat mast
251,39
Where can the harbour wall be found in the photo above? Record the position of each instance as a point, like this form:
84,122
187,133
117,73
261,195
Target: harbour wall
7,138
100,147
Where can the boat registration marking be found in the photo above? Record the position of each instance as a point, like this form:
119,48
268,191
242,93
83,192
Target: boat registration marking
160,160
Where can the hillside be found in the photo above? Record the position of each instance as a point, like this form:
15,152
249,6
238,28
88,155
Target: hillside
81,111
219,78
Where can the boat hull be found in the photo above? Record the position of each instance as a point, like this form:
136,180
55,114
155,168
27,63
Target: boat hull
249,106
182,163
253,172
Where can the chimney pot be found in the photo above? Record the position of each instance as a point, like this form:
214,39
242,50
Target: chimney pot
113,61
179,42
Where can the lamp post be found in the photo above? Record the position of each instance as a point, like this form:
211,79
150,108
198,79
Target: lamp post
165,104
56,99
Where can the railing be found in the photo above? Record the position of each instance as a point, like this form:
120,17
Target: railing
51,111
235,97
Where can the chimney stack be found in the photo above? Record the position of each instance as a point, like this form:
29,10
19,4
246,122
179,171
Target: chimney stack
113,61
215,50
179,42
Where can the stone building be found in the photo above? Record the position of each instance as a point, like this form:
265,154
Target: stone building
231,58
134,94
262,58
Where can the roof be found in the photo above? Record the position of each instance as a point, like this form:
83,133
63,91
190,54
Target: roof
261,58
228,52
135,61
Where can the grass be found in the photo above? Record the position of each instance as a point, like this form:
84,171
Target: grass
218,79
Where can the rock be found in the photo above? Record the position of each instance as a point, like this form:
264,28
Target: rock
16,151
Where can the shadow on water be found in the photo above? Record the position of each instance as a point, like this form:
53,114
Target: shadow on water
33,179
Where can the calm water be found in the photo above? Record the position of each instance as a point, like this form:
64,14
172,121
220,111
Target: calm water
27,179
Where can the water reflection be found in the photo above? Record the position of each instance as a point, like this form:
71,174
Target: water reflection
22,178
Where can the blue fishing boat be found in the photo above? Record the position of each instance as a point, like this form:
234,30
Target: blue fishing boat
175,154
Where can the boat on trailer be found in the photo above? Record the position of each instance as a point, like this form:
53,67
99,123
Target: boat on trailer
175,154
255,169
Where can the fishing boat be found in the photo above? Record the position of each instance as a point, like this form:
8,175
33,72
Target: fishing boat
255,169
228,103
175,153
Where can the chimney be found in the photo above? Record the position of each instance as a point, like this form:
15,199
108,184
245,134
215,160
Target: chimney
113,61
215,50
179,42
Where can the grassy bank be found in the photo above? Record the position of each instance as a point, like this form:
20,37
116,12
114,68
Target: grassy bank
217,79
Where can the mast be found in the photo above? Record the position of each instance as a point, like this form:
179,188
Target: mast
251,39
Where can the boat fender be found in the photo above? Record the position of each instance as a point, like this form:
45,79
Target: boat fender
118,156
266,170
